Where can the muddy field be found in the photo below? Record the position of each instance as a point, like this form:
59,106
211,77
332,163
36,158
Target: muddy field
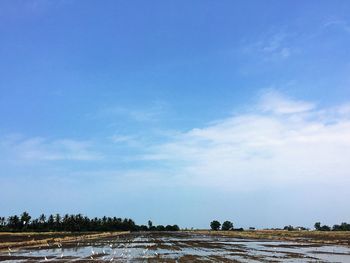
178,247
323,237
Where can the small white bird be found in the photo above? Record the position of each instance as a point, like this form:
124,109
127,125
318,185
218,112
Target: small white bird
46,258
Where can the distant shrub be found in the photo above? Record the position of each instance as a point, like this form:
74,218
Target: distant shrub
342,227
227,225
215,225
289,228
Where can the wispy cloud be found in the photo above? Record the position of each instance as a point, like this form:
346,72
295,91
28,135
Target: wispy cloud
342,24
150,113
282,141
278,141
122,138
271,46
134,114
42,149
275,102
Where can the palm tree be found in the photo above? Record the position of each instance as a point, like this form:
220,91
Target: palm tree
42,219
13,222
2,221
25,218
57,221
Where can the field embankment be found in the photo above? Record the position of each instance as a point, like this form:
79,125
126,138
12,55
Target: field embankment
323,237
40,239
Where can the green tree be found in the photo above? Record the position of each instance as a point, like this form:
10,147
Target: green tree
42,219
317,225
325,228
215,225
51,221
227,225
289,228
150,224
25,218
2,221
344,227
14,222
58,220
160,228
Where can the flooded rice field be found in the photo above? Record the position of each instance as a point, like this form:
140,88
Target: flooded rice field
179,247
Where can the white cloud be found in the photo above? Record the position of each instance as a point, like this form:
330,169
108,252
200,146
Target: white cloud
134,141
342,24
285,52
272,46
275,102
41,149
151,113
122,138
279,141
283,142
273,43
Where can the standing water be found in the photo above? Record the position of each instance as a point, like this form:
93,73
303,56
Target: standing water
180,247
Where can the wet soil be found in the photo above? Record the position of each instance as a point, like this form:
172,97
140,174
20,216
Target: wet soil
179,247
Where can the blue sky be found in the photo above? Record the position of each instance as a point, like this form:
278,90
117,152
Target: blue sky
176,111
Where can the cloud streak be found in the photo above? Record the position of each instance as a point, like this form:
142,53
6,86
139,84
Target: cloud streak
151,113
282,141
272,101
272,46
42,149
278,141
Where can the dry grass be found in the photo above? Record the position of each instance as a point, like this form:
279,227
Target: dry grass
38,239
41,239
324,237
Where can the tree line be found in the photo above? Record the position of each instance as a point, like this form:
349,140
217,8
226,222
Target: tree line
228,225
342,227
74,223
